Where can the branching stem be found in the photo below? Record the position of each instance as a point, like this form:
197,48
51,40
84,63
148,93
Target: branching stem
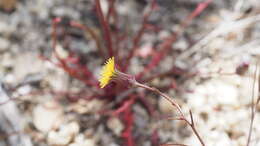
176,105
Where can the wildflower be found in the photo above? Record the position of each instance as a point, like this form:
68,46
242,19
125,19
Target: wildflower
110,73
107,72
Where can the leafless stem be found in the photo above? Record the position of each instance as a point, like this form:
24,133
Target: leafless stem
176,105
253,108
92,34
106,28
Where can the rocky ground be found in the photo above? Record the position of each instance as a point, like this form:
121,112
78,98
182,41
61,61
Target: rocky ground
219,50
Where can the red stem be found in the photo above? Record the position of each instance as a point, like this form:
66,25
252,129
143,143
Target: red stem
155,140
115,33
111,8
166,45
80,72
106,28
164,48
127,134
92,34
200,7
86,76
139,35
126,105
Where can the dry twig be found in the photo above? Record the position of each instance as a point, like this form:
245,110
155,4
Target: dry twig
176,105
253,107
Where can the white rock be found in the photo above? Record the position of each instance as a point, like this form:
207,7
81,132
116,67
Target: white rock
181,44
216,92
145,50
64,135
79,138
47,116
70,129
164,34
66,11
55,138
26,63
115,125
223,93
59,80
81,141
91,106
5,28
61,52
4,44
24,90
7,60
196,100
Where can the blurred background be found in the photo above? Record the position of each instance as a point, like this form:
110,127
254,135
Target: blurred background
201,53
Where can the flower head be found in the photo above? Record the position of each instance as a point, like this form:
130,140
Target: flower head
107,72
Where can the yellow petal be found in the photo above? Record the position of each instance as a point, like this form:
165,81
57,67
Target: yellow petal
107,72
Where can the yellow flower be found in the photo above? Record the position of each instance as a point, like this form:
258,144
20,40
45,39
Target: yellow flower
107,72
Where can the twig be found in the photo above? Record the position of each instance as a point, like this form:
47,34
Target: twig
176,105
253,108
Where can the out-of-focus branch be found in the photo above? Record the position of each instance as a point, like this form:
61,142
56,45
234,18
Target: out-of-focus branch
105,26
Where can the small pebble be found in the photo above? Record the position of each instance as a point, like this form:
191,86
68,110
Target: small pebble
65,134
115,125
4,44
47,116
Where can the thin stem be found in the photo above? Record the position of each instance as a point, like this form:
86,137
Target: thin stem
176,105
253,109
63,63
92,34
106,28
112,13
111,9
192,125
165,46
200,8
139,34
